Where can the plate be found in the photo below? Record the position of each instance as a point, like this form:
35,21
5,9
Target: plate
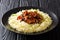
15,10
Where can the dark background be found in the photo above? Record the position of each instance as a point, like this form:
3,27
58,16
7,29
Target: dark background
53,5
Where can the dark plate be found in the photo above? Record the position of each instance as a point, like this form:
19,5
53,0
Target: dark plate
8,13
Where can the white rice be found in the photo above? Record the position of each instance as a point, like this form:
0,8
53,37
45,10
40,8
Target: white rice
28,28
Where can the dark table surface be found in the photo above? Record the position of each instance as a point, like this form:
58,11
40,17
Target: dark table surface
53,5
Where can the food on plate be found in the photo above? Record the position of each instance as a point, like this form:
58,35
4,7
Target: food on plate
29,21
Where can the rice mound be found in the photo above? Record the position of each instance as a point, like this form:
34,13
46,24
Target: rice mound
29,28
